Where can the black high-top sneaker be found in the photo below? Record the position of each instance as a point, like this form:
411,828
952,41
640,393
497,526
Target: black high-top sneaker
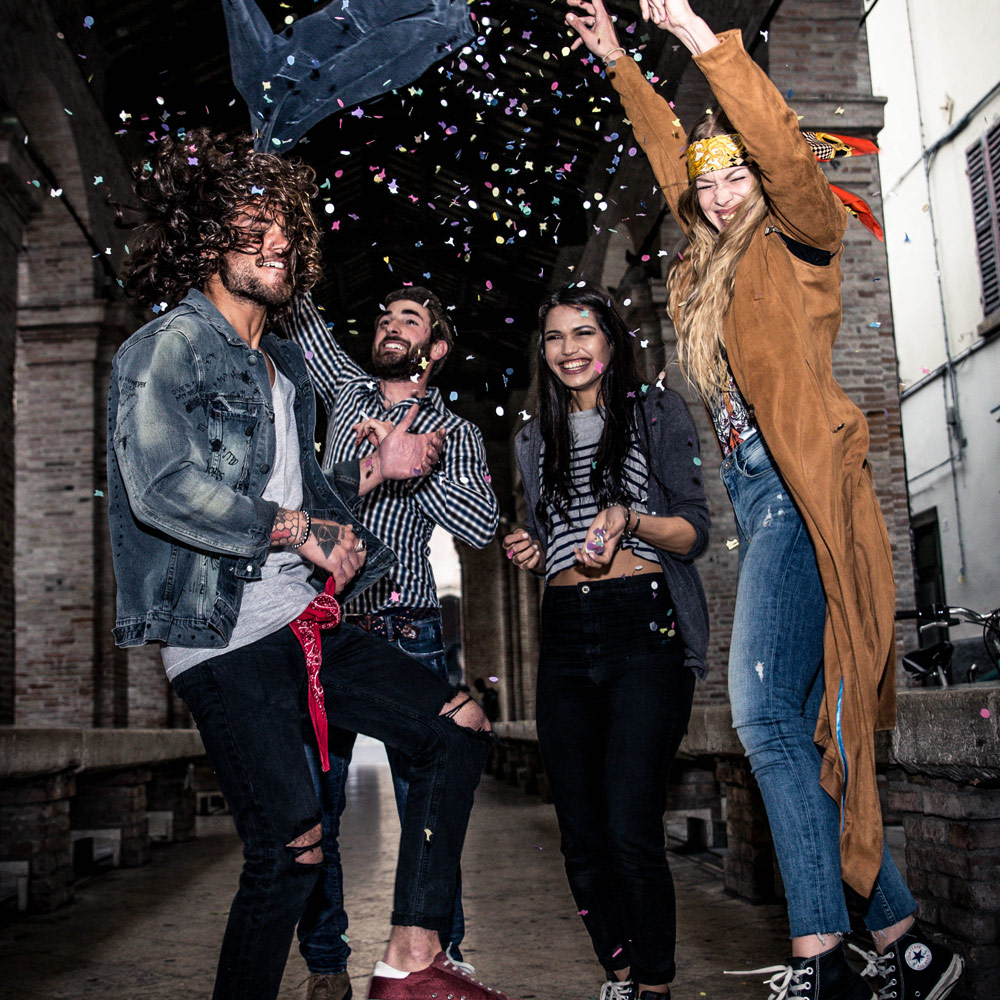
913,969
618,989
823,977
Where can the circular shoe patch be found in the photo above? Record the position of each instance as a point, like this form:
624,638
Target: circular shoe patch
918,957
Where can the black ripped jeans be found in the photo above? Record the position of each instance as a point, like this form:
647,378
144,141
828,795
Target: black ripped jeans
250,708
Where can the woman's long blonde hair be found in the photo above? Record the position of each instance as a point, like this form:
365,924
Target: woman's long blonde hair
700,284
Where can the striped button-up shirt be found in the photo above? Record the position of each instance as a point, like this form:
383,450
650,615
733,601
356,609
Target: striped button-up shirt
456,494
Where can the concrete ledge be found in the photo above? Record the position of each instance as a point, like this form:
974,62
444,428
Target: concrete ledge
522,731
710,733
943,732
938,732
26,753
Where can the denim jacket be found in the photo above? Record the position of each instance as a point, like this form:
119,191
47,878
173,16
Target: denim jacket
190,445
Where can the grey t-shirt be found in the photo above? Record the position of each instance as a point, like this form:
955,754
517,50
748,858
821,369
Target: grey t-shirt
283,591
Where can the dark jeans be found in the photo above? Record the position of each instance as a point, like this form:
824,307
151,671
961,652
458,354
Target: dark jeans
249,706
322,930
614,698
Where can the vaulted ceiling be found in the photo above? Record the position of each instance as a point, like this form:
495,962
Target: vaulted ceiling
472,180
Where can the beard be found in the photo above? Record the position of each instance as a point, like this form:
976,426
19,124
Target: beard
396,367
243,280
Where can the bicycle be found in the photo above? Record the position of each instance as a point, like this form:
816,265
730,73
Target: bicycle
932,665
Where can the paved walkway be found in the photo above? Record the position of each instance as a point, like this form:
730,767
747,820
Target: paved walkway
153,933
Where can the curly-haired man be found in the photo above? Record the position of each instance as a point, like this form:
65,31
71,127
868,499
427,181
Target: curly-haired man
220,517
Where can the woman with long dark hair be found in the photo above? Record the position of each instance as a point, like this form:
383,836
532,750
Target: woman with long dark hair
616,514
756,302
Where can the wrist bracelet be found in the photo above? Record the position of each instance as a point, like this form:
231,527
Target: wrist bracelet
305,538
626,534
607,56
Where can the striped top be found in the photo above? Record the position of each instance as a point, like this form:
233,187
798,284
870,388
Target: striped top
586,427
456,494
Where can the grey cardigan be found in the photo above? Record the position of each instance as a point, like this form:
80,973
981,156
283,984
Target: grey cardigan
669,442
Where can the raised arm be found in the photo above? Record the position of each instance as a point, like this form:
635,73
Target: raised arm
797,189
656,126
329,364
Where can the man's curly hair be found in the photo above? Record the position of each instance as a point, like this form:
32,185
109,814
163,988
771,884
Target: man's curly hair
192,191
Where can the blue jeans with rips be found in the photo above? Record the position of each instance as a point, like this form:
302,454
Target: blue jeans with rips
322,931
776,689
250,708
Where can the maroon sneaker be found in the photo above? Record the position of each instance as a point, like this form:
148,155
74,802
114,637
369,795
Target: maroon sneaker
443,979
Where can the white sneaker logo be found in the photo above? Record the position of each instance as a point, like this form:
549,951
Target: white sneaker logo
918,957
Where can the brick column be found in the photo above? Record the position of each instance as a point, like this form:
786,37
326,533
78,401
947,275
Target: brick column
17,202
953,868
171,787
115,801
34,827
751,868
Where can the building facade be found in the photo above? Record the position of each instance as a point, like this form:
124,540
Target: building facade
940,171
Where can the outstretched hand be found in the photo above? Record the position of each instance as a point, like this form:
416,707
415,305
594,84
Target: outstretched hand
593,26
667,14
404,456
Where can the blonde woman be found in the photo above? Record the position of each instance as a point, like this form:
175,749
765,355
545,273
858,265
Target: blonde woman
756,303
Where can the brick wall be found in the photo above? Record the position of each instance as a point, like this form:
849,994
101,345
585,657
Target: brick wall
67,670
34,827
953,868
17,201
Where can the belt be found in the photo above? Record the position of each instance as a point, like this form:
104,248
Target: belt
401,620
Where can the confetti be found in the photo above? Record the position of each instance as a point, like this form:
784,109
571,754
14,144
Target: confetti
732,543
984,712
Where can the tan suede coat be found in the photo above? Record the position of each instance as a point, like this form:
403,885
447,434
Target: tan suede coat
779,334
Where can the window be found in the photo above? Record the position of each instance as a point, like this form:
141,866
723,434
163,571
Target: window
928,568
983,160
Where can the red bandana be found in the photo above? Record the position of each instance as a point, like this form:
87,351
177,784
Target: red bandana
324,612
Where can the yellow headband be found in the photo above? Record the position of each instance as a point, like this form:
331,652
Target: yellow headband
715,153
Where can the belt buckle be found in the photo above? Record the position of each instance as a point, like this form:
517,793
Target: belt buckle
407,630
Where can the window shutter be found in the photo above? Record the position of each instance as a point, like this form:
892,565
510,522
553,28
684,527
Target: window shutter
983,160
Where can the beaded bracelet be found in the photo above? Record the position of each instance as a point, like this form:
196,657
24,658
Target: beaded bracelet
305,538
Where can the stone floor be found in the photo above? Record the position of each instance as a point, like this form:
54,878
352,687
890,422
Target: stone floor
152,933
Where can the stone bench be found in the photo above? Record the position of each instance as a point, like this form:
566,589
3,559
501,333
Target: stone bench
940,780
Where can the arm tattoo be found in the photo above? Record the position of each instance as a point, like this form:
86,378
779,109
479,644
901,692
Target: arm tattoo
287,527
326,534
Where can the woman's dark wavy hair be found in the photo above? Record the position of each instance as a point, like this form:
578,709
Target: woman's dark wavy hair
191,191
607,476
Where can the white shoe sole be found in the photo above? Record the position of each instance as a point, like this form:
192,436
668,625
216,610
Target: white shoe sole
947,982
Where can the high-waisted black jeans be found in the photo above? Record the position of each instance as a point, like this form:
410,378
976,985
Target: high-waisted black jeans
614,699
250,709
